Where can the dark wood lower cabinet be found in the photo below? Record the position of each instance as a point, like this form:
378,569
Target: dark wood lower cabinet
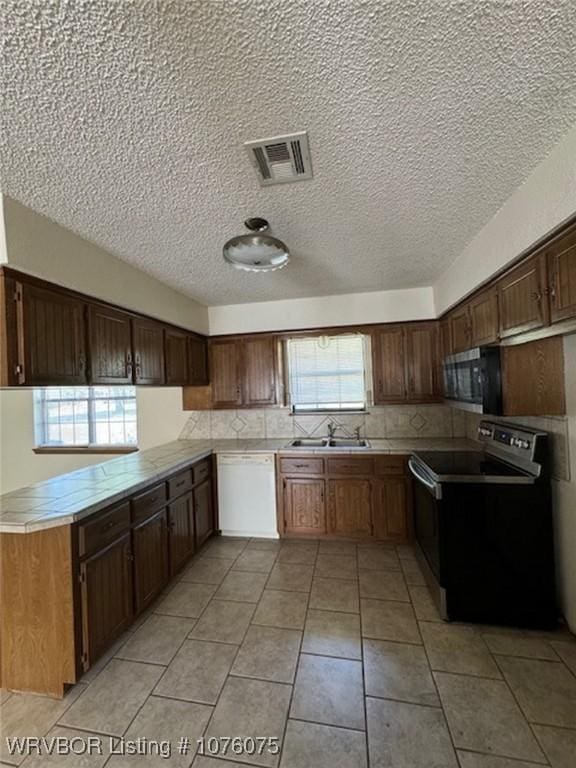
150,558
106,590
203,512
181,531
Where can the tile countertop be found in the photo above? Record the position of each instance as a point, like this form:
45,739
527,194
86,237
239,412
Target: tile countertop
67,498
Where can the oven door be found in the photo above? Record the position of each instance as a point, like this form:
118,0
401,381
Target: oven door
427,507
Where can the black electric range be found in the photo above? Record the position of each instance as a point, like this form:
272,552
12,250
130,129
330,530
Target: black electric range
483,528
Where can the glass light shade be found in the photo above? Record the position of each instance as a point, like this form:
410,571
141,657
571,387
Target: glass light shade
256,252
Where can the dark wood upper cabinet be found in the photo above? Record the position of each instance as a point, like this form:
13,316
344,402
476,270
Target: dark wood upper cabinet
197,361
523,299
562,278
110,346
148,342
51,335
484,318
423,363
225,373
446,338
460,330
388,363
176,352
259,369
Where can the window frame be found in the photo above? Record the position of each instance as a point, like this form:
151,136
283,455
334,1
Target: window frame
92,446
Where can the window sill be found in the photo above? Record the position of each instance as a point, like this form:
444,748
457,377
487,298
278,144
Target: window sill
105,449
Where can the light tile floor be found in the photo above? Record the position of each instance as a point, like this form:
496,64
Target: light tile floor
335,649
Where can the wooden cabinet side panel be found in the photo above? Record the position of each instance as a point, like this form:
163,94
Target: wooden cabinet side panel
388,363
37,618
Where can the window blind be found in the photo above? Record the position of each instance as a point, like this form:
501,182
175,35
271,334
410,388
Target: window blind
326,373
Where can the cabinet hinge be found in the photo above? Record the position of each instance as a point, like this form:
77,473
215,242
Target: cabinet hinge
18,294
82,577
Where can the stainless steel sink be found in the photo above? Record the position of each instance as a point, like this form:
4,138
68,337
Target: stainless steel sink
310,442
343,442
325,442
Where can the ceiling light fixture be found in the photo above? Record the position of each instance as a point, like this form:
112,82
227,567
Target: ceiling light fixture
257,251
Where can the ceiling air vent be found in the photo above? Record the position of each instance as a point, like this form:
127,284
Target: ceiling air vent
281,158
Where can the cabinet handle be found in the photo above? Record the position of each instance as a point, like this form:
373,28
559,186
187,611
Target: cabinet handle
129,556
536,296
180,483
301,466
552,293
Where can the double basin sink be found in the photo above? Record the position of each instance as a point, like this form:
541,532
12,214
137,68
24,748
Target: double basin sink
329,442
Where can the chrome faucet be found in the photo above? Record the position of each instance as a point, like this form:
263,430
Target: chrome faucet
357,433
332,429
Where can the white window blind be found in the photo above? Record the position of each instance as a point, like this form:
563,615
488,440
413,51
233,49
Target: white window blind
326,373
85,416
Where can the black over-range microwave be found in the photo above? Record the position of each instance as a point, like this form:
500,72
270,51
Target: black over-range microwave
473,380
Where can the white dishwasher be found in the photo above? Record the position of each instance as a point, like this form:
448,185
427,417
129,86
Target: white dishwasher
247,494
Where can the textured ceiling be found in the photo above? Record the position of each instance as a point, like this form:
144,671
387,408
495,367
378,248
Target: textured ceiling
124,121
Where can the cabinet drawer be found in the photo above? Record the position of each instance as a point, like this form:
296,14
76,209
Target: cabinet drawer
179,484
102,528
302,466
355,465
148,502
201,471
390,465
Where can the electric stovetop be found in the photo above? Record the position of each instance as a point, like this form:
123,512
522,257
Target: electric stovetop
469,466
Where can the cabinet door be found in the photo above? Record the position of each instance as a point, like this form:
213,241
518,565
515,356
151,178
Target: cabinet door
259,367
391,508
460,329
350,507
446,338
423,363
106,597
203,512
197,361
148,339
484,318
225,373
150,559
304,509
52,334
388,361
562,278
176,352
110,346
181,531
523,299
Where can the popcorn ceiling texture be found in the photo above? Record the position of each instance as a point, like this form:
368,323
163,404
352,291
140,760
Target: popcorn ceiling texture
124,122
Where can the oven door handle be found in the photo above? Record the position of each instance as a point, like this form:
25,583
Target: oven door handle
433,487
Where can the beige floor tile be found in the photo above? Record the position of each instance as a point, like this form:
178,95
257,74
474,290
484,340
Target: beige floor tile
398,671
157,640
224,621
197,672
424,607
484,717
527,647
224,548
165,720
406,552
251,708
281,609
244,586
268,653
559,744
266,545
335,595
567,652
412,573
24,714
374,558
322,746
110,702
259,561
332,633
545,690
474,760
207,570
201,761
186,599
407,736
99,751
383,585
291,577
4,695
389,620
336,567
329,691
460,649
345,548
301,554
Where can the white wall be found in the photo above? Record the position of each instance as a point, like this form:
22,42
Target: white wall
324,311
545,200
160,420
41,247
